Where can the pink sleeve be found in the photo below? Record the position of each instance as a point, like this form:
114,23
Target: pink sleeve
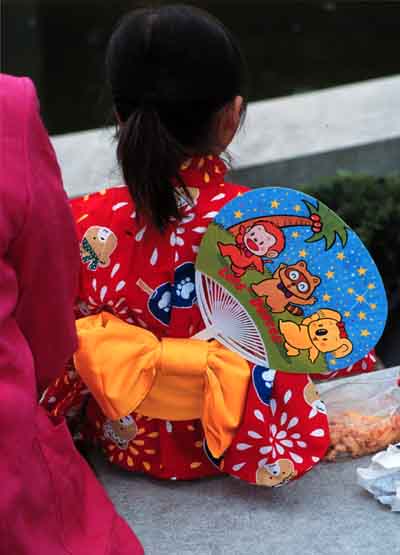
44,251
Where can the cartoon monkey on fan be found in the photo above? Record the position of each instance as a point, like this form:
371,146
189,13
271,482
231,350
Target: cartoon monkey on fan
259,240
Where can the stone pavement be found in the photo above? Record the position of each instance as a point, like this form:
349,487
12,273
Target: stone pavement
325,513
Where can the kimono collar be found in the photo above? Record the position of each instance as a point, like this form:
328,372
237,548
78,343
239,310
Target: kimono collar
201,171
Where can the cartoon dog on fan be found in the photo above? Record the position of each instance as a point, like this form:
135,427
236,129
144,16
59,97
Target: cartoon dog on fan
322,332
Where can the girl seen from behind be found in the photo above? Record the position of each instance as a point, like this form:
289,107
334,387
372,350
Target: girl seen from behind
177,79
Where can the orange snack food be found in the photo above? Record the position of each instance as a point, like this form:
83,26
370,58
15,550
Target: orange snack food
354,434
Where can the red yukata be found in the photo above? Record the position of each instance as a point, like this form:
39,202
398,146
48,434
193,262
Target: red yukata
51,503
147,279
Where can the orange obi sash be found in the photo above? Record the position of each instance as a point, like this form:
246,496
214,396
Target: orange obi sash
126,368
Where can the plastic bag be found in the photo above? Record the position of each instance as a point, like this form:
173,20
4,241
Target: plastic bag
363,413
382,477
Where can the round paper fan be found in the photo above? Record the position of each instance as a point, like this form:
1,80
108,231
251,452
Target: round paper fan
282,280
227,320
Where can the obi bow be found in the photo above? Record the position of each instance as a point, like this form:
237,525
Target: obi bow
126,368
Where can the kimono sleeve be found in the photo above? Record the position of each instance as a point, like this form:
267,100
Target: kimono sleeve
45,252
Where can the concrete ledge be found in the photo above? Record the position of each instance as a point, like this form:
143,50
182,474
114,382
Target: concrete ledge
380,158
87,160
307,137
323,121
285,141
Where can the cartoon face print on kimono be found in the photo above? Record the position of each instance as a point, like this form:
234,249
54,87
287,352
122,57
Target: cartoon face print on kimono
313,399
121,431
97,246
275,474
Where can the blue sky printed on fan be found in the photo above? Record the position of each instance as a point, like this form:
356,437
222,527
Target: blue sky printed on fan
350,281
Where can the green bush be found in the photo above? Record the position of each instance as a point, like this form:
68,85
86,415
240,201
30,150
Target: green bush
371,207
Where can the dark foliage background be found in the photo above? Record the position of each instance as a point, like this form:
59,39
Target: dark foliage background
371,207
291,47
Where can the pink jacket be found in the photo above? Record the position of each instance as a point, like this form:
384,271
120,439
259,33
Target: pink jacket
50,501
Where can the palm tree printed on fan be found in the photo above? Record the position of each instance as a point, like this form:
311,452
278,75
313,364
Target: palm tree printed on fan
332,227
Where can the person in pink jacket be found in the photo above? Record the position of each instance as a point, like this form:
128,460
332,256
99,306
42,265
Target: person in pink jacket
50,501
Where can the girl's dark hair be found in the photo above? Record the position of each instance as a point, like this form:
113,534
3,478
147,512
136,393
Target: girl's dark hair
170,69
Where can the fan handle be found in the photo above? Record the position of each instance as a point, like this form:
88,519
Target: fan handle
206,334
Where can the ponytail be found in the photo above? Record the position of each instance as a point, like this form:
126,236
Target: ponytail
170,71
150,159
